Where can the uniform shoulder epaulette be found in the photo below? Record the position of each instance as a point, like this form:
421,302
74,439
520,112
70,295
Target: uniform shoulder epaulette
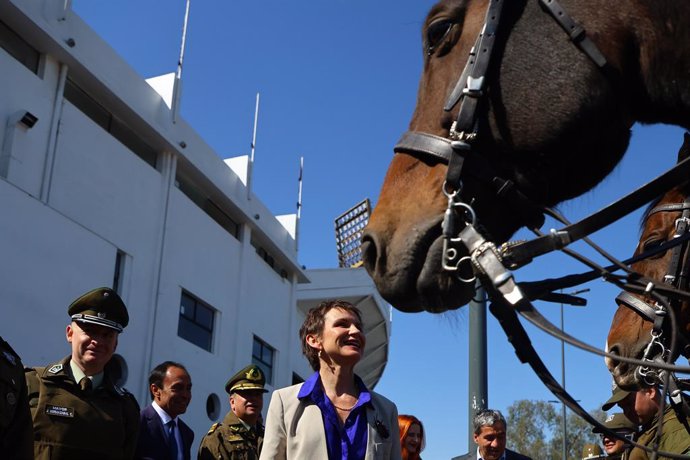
213,428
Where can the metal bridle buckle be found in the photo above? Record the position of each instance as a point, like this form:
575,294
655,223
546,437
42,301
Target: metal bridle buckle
454,135
651,375
451,242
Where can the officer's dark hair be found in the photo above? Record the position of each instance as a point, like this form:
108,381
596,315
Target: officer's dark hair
157,375
487,417
314,322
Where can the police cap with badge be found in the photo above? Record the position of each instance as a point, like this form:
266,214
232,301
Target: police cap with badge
249,378
619,423
618,395
102,307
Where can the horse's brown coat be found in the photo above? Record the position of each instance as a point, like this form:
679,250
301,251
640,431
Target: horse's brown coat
554,123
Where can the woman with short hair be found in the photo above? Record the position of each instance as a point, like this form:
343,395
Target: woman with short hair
331,415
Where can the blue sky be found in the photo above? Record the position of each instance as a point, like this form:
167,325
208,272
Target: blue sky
338,82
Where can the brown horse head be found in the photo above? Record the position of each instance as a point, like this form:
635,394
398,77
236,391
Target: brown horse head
550,121
630,332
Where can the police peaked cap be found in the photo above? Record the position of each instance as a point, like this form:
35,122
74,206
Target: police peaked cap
249,378
101,306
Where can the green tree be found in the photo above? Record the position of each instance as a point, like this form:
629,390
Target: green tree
535,429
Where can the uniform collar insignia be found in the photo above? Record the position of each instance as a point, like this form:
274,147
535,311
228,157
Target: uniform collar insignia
10,357
55,369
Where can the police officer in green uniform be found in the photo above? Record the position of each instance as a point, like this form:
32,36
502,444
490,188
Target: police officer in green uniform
240,435
642,407
78,412
621,425
16,430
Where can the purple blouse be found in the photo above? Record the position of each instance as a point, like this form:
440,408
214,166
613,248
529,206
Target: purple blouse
349,441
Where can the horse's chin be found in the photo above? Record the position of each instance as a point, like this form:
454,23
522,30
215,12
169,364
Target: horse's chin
629,380
434,289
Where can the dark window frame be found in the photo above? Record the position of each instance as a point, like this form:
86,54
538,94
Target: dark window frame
19,48
190,325
259,360
118,129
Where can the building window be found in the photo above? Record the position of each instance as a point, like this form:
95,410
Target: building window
262,356
213,407
269,259
19,49
207,205
196,321
90,107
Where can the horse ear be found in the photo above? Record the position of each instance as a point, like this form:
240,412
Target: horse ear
684,151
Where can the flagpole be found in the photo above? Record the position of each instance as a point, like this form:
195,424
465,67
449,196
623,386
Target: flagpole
299,202
250,165
177,86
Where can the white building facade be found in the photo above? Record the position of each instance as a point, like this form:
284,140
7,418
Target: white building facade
99,187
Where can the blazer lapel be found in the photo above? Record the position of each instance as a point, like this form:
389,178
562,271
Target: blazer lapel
377,430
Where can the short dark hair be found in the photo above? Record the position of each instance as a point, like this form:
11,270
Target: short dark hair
487,417
314,322
157,375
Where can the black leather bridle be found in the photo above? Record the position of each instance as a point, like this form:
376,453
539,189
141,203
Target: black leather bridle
659,346
459,145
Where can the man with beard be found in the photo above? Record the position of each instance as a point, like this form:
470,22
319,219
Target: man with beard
490,437
78,411
642,407
240,435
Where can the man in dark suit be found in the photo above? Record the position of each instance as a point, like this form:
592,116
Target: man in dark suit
490,437
162,435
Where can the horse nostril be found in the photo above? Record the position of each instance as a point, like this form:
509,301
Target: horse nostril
369,252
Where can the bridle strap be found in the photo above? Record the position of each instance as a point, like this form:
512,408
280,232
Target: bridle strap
575,31
641,307
521,253
414,143
671,207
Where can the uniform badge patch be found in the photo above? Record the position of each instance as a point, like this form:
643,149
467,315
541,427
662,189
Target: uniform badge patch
55,369
11,399
60,411
10,357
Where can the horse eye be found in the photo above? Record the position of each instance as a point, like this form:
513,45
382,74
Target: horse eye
652,244
436,34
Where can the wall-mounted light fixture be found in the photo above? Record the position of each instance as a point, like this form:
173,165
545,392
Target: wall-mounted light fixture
26,120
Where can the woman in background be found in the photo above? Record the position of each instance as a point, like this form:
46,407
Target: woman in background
332,415
412,440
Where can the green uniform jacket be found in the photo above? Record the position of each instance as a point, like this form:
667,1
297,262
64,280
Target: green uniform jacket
231,440
70,424
674,438
16,430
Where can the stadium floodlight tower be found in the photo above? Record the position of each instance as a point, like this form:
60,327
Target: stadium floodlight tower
348,234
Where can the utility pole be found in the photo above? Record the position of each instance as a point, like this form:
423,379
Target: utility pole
478,397
564,444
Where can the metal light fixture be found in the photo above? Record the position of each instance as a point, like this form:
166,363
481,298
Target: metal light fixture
348,233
